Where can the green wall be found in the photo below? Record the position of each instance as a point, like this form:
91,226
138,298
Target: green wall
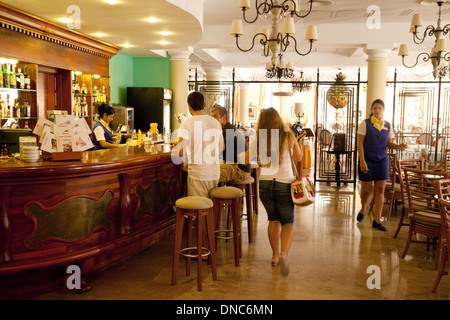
126,71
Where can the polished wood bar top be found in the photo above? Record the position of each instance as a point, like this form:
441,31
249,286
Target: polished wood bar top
92,162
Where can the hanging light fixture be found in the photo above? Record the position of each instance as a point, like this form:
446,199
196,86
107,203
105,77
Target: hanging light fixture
274,41
280,70
439,55
300,84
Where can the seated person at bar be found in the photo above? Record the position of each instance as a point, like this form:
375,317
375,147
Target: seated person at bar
103,134
235,143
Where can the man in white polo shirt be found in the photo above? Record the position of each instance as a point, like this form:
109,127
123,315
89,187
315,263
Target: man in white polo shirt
201,141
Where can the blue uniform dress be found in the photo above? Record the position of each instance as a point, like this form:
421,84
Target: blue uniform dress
108,135
375,153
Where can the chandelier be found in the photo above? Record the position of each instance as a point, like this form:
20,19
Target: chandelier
300,84
438,55
274,41
280,70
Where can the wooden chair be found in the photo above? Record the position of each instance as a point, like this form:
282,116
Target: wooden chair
423,206
401,165
443,187
425,139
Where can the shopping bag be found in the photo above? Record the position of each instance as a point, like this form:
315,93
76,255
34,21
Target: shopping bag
302,192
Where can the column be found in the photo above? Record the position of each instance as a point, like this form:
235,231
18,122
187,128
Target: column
244,101
180,76
376,75
213,91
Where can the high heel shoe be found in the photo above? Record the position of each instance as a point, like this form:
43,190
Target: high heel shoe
360,217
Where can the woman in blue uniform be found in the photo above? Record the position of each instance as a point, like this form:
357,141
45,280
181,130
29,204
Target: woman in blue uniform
374,137
103,134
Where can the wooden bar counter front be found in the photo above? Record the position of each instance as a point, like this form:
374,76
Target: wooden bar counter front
89,214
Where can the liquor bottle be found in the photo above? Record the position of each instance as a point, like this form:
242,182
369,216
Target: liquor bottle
84,88
27,80
12,77
17,109
6,75
77,87
8,107
1,76
20,79
2,107
26,109
103,94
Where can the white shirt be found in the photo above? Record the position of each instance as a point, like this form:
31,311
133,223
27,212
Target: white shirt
203,135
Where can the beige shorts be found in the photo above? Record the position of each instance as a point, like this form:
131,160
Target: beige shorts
200,188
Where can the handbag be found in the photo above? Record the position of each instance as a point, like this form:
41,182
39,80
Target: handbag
302,189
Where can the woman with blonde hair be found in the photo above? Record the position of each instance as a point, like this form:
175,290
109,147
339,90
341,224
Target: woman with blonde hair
273,147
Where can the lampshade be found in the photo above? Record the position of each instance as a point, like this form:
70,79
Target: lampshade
441,45
288,25
299,107
416,20
403,50
311,33
293,7
236,27
244,3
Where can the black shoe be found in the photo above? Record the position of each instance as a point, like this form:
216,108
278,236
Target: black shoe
360,217
379,226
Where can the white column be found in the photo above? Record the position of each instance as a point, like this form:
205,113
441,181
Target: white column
180,76
244,101
376,75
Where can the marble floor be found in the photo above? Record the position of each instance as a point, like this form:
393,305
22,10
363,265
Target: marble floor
331,257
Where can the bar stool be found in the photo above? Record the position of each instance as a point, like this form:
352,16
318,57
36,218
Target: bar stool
230,196
246,185
201,209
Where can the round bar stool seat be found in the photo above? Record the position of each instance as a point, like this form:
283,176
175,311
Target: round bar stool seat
247,185
201,209
230,196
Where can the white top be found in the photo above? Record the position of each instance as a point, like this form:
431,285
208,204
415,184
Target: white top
362,130
280,171
203,135
99,132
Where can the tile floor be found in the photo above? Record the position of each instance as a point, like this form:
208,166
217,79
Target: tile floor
329,259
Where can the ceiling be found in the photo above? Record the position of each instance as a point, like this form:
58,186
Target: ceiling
346,29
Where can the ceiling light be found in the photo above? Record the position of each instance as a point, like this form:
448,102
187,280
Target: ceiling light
152,20
165,33
163,42
111,1
64,20
99,34
126,45
439,54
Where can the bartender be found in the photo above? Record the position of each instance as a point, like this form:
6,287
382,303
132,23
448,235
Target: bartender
103,134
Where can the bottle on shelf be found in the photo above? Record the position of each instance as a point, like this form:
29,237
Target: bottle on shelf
20,79
16,108
8,107
2,107
6,75
26,78
12,77
103,94
1,75
83,87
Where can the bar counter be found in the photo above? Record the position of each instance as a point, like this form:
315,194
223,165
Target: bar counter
91,213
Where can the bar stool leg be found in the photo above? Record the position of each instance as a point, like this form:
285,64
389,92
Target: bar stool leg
179,221
199,251
190,223
248,200
212,242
